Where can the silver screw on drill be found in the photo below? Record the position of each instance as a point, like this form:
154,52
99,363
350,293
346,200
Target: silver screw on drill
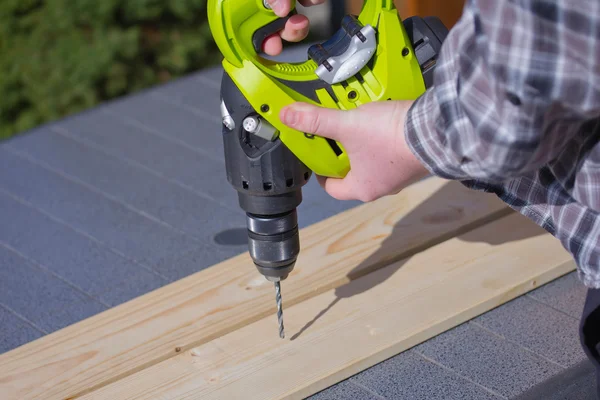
279,309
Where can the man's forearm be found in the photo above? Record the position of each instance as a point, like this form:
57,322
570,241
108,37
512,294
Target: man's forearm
511,89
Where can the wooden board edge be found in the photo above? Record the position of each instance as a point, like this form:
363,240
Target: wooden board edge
492,303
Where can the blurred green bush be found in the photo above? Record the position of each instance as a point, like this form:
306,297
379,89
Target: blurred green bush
58,57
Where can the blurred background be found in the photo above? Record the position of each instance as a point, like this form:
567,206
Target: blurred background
59,57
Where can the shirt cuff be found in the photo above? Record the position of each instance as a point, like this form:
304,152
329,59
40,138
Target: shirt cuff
419,131
423,133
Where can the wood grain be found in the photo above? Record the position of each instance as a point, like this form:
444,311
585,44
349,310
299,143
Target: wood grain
230,295
341,332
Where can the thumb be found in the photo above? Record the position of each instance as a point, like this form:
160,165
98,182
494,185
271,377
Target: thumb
321,121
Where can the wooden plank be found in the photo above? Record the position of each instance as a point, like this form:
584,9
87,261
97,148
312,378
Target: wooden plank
209,304
344,331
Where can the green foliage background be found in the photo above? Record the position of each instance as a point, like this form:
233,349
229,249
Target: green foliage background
58,57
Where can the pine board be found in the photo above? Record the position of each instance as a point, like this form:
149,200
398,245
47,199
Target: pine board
207,305
362,323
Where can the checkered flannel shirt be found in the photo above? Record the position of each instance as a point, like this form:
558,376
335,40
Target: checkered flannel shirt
515,111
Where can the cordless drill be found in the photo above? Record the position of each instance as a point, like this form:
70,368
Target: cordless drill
374,56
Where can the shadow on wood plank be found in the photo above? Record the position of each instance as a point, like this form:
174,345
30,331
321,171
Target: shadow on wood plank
427,212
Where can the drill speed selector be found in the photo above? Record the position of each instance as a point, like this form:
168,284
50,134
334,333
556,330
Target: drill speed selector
346,53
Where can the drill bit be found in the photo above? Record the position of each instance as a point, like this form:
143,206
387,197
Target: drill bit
279,308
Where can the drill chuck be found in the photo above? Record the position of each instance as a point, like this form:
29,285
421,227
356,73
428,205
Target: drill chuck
274,243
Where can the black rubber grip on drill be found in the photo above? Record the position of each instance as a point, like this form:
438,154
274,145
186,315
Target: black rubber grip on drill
263,33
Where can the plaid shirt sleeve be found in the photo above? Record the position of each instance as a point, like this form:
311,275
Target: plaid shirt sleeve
515,110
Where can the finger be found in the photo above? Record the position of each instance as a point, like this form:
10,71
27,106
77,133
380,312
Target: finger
296,28
321,121
280,7
339,189
309,3
273,45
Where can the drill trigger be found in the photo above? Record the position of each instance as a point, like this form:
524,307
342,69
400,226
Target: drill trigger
259,37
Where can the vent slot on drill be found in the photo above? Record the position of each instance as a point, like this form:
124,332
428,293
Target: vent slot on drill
334,146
